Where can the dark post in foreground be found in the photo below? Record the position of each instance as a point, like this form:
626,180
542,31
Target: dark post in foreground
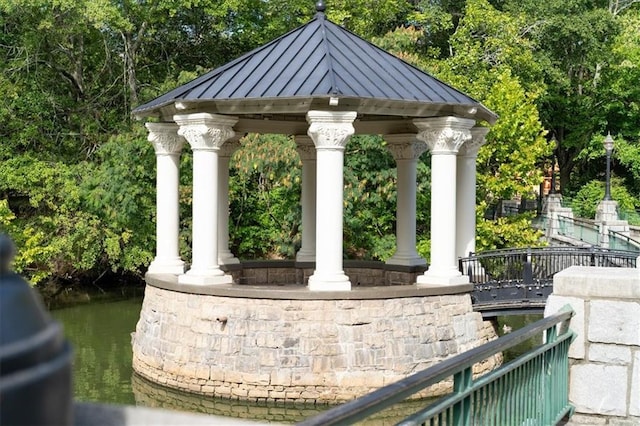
35,359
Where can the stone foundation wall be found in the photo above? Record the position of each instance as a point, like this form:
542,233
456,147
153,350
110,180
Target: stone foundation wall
299,350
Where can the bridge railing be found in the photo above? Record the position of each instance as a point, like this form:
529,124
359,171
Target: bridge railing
619,241
525,276
532,389
578,229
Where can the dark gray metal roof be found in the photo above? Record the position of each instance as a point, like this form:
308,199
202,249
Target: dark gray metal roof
321,60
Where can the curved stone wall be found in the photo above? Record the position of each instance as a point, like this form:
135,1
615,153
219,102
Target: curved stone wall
298,350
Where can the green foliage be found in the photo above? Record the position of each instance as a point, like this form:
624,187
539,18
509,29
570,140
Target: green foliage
506,232
586,200
265,197
508,162
369,199
72,221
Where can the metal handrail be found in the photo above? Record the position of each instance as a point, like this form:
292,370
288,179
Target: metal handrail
586,231
460,402
628,242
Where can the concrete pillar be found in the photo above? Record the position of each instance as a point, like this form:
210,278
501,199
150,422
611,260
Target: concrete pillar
330,132
604,358
225,257
206,133
607,211
307,152
167,144
466,192
444,136
406,150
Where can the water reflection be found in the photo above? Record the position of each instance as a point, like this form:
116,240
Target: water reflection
100,334
152,395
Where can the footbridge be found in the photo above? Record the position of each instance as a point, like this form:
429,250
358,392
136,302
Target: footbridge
518,281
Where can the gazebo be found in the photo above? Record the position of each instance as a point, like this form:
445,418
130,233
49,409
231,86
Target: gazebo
320,84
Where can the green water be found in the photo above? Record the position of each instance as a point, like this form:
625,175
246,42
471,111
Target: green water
100,333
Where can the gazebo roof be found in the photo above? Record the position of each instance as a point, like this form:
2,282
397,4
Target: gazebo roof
319,65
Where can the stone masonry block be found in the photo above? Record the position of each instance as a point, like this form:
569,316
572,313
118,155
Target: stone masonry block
614,322
590,282
281,378
577,349
634,403
610,396
610,354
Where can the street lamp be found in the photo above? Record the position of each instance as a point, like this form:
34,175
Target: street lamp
553,165
608,147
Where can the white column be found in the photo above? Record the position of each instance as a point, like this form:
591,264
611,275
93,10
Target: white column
167,144
466,192
307,152
225,257
206,133
444,137
406,150
330,132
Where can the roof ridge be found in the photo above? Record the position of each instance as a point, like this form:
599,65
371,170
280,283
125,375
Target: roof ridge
329,59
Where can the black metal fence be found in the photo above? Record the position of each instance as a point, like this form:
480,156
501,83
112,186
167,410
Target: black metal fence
507,279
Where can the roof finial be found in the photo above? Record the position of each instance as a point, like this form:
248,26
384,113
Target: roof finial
320,7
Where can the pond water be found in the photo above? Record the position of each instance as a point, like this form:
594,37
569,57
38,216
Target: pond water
100,333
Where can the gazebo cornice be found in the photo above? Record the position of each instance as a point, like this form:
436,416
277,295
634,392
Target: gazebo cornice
294,110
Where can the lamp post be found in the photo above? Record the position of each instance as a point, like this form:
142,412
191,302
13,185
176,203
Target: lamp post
553,166
608,147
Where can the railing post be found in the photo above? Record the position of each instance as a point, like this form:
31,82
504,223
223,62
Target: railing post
462,410
527,270
548,371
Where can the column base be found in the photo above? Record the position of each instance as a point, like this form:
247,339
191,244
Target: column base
305,256
406,260
204,278
228,259
439,279
337,282
167,266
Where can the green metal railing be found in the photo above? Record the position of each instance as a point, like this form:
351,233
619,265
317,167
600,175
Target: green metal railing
533,389
618,241
579,230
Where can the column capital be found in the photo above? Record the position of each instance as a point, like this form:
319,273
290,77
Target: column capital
205,132
444,135
472,146
305,147
165,138
405,146
331,129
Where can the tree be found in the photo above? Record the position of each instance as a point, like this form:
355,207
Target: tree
492,61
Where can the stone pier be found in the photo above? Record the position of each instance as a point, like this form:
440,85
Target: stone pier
604,376
286,343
